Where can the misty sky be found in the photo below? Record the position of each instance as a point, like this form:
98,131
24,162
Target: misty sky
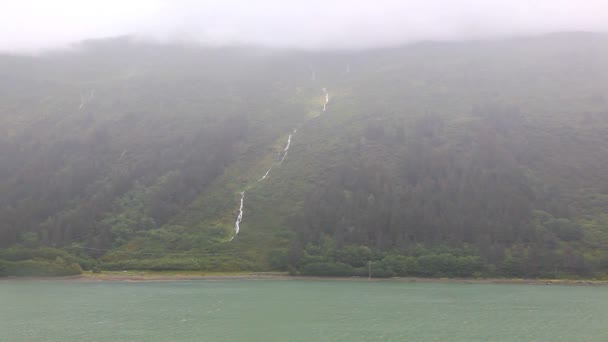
30,25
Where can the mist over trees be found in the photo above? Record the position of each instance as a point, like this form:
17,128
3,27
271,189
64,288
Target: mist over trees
442,159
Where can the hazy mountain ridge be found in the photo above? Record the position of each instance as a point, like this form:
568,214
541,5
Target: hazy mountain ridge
488,153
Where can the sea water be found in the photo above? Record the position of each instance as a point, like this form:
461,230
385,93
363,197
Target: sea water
299,310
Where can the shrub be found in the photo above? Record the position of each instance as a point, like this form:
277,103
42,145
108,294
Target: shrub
437,265
565,229
30,268
182,264
3,268
45,253
382,271
356,256
337,269
278,259
401,265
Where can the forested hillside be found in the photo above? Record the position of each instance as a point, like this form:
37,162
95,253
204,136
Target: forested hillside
438,159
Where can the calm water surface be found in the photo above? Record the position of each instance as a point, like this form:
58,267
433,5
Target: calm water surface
299,310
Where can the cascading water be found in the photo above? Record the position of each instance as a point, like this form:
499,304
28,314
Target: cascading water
286,149
86,99
239,218
265,175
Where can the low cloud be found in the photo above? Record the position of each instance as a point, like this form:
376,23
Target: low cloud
32,25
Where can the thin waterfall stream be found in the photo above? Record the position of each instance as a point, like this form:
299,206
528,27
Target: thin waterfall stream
286,149
239,218
86,99
326,99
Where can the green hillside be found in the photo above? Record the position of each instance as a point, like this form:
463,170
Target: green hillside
438,159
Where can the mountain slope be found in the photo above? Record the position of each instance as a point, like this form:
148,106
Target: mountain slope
433,159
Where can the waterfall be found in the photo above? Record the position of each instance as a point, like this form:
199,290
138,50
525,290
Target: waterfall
86,99
82,102
265,175
288,142
286,149
239,218
313,74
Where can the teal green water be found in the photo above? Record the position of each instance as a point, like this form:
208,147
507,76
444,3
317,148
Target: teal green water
299,310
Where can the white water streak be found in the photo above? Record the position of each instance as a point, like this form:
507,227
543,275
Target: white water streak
313,74
288,143
239,218
86,99
286,149
265,175
326,99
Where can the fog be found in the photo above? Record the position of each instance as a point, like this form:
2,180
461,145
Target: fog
34,25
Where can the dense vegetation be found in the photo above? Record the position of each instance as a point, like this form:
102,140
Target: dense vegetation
443,159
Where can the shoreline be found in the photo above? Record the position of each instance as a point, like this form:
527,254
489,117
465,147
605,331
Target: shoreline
132,276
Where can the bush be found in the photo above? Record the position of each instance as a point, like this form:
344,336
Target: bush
401,265
31,268
356,256
226,264
565,229
20,253
3,268
336,269
353,261
45,253
382,271
438,265
278,259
